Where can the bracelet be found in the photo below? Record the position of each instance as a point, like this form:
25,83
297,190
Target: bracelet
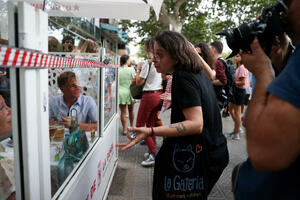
152,131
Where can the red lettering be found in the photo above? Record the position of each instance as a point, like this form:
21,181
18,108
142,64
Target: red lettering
198,148
93,189
87,197
99,173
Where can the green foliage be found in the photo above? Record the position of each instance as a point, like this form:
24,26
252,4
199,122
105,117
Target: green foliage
225,55
239,11
201,19
145,29
142,52
195,29
191,19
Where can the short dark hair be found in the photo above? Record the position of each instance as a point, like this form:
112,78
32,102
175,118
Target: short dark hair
180,49
218,46
67,37
149,44
64,78
124,59
207,54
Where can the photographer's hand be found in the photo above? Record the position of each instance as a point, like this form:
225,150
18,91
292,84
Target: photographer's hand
272,124
257,62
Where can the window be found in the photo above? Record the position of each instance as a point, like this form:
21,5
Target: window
73,118
110,99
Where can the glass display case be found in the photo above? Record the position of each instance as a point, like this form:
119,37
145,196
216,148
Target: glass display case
63,158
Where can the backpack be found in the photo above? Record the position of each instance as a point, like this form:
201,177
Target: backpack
230,74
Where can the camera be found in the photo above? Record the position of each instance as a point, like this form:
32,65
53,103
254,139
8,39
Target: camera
268,29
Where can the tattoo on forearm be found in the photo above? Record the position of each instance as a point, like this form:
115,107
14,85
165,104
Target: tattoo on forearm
179,127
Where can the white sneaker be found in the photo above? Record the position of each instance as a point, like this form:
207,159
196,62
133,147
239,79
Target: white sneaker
233,136
146,155
241,130
236,137
149,162
229,135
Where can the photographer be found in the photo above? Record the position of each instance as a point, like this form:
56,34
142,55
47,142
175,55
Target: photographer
272,122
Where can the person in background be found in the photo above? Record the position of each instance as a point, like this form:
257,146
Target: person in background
5,85
151,103
167,89
68,43
205,52
52,44
89,46
236,103
221,80
125,100
207,59
225,112
5,117
60,108
248,94
7,182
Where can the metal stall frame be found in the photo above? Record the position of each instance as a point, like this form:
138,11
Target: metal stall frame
93,177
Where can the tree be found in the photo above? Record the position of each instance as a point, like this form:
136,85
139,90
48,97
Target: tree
175,14
199,20
226,14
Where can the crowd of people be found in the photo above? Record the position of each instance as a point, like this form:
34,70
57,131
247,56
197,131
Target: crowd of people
156,98
199,78
193,81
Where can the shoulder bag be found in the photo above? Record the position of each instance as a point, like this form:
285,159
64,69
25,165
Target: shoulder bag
136,91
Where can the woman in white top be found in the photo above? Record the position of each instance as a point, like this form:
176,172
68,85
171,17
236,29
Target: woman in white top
151,103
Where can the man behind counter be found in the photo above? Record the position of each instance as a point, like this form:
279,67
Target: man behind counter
61,107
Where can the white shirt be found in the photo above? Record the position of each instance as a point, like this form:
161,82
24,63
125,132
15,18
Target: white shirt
154,79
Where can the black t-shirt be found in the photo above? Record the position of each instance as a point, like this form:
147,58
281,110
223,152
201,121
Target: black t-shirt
182,167
189,90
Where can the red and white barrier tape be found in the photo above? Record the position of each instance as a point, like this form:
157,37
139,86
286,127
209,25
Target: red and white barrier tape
13,57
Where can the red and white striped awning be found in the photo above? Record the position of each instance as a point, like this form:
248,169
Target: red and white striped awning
19,58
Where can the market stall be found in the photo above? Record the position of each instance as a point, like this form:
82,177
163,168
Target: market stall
51,161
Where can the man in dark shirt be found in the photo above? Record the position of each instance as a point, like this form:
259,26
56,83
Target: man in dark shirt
221,79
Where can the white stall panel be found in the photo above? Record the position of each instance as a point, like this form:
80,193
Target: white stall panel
32,32
93,178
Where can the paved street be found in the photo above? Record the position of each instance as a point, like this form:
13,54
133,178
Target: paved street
134,182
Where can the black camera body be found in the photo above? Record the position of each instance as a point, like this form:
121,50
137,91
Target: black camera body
268,28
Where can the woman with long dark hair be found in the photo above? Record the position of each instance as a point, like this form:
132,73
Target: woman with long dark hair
205,52
194,152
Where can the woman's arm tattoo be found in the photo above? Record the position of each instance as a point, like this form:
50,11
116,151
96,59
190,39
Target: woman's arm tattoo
179,127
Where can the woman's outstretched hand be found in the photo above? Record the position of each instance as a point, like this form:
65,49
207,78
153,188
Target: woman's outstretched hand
141,134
